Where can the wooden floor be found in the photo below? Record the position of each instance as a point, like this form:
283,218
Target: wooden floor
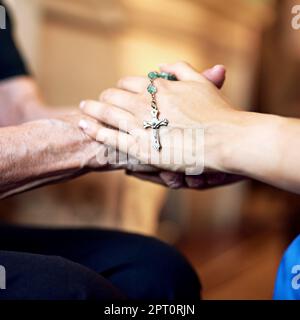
233,266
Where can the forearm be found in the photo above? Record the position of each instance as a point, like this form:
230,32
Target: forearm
42,152
266,148
20,102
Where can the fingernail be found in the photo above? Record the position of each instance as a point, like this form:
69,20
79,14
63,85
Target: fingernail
83,124
218,67
82,104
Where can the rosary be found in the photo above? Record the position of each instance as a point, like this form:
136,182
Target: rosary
155,123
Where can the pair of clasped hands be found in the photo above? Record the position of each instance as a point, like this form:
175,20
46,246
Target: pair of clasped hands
195,100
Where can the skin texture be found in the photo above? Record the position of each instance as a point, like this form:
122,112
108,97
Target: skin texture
259,146
19,101
39,152
40,146
206,180
216,76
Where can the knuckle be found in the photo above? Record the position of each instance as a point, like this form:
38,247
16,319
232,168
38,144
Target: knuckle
140,101
162,84
101,136
103,113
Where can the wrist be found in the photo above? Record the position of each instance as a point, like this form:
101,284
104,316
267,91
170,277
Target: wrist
220,141
251,145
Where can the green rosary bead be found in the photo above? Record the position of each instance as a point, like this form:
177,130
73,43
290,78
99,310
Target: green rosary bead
155,123
153,75
164,75
172,77
151,89
167,76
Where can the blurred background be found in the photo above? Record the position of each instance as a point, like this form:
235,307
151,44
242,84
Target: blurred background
233,235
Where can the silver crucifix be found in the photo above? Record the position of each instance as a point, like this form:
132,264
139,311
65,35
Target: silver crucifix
155,124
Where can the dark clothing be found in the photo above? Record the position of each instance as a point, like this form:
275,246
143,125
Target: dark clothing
11,63
92,264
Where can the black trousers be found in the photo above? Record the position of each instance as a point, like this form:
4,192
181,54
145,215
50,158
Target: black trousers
92,264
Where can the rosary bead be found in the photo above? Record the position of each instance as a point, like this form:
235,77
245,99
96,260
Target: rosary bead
152,89
153,75
164,75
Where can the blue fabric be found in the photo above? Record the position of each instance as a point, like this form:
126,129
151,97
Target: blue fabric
287,286
93,264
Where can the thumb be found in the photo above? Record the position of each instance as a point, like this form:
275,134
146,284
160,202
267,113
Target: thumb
216,75
182,70
185,72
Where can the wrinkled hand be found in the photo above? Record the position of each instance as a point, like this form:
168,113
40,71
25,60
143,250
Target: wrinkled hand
92,155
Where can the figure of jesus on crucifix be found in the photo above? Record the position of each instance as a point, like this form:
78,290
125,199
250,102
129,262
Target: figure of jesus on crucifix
155,124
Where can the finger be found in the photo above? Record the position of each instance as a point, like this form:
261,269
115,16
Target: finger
219,179
183,71
173,180
114,138
133,84
139,84
134,165
195,182
109,114
210,180
121,98
151,177
216,75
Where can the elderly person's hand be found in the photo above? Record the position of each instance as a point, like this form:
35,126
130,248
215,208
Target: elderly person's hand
42,145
